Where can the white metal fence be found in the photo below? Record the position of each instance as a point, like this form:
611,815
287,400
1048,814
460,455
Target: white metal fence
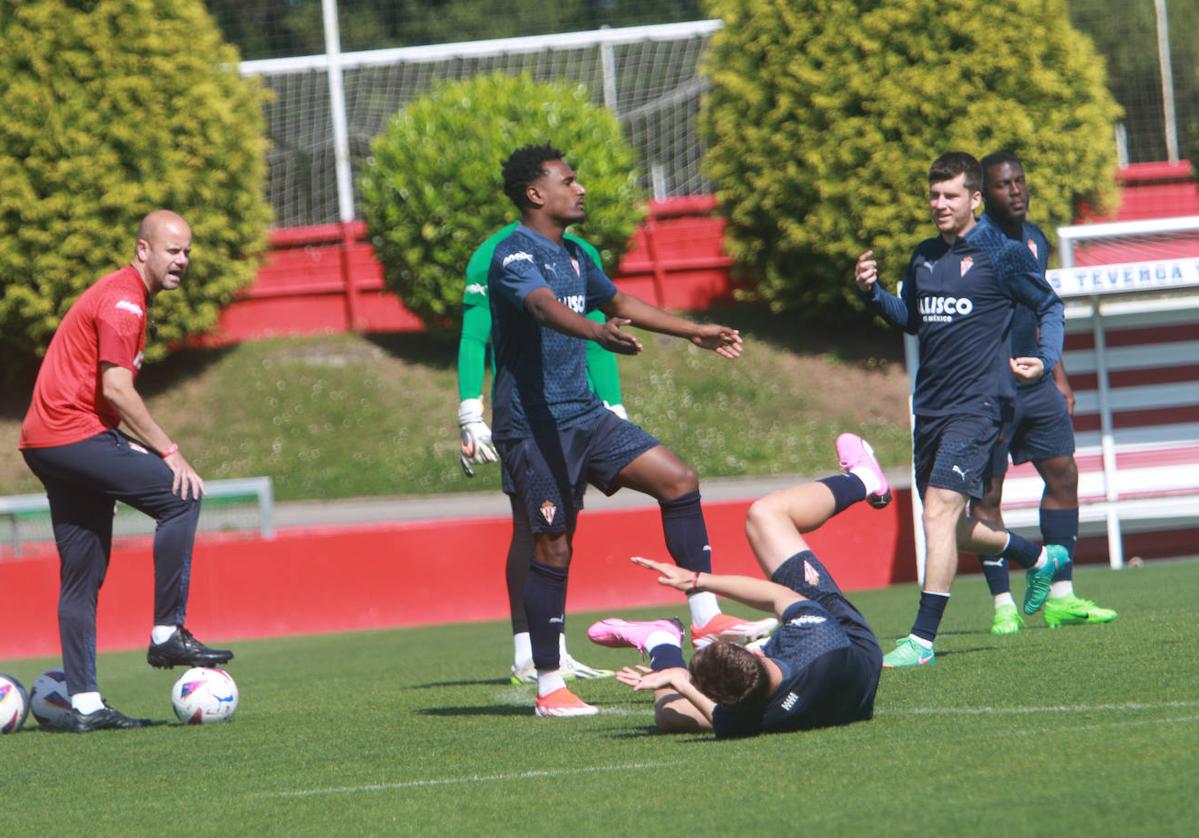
327,108
647,75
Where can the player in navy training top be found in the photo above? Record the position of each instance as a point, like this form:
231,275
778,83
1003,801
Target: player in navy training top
958,297
553,434
820,669
1039,429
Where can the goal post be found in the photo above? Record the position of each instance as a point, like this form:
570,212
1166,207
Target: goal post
648,76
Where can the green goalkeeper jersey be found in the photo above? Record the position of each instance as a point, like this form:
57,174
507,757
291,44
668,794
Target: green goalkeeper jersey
602,374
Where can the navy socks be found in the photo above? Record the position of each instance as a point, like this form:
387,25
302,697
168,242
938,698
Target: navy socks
686,533
545,605
847,490
1060,526
928,618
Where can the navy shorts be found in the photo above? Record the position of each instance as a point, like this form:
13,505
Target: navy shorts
804,574
549,472
1039,428
954,452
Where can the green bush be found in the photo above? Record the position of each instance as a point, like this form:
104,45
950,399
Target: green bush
824,116
432,189
110,109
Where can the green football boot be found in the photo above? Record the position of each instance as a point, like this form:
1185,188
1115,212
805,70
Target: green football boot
908,652
1074,611
1007,620
1040,579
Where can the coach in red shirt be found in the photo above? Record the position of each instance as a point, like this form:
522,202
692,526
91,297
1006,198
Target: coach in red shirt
71,439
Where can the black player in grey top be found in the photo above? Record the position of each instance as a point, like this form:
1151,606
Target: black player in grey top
552,434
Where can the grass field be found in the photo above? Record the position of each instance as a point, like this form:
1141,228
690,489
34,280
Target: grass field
335,416
1086,730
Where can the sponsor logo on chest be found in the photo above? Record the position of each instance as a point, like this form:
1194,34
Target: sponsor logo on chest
575,302
944,308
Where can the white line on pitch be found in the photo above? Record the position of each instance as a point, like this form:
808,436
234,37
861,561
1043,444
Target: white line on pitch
1067,708
475,778
1120,723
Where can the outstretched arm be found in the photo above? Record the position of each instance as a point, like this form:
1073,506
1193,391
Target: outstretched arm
756,593
720,339
546,310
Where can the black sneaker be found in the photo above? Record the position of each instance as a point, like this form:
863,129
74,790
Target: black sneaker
106,718
184,650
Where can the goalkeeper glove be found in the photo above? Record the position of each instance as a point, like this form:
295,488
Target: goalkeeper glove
618,409
476,436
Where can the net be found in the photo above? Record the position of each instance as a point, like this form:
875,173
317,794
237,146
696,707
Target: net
648,76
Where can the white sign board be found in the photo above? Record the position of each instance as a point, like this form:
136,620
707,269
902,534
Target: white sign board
1158,275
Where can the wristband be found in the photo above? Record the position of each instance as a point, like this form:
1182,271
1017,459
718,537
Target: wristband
169,450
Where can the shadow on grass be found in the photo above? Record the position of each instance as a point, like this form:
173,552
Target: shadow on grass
488,710
436,349
465,682
857,338
178,368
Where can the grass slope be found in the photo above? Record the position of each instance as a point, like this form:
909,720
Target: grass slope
343,416
1088,730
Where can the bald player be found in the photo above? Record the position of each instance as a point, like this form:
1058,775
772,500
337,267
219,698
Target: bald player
72,440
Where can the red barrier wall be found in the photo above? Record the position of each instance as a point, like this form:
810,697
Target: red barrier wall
326,278
315,580
451,570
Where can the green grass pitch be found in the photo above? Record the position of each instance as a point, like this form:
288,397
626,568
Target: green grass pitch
1083,730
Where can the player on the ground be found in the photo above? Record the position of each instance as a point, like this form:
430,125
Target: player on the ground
554,435
1040,429
958,297
71,441
821,668
477,447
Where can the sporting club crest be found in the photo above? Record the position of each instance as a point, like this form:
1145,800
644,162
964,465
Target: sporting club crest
1032,245
548,511
810,575
967,264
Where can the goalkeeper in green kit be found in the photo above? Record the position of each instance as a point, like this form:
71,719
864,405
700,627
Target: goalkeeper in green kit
477,448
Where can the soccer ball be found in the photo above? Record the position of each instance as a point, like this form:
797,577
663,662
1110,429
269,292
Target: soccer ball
14,704
50,702
202,696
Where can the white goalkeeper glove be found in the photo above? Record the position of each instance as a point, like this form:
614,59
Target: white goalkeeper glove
476,436
618,409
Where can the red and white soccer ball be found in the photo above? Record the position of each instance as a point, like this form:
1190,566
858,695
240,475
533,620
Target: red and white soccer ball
14,704
50,702
202,696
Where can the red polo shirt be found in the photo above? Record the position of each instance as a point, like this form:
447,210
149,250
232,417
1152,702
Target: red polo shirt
107,324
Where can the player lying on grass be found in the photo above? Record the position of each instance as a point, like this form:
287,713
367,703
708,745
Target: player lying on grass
820,669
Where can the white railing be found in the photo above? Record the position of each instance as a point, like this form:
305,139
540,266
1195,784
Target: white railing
15,508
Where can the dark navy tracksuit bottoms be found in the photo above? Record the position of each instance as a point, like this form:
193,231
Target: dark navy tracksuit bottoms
82,481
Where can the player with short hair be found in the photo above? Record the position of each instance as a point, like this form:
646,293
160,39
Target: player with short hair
553,434
820,669
477,447
71,440
958,297
1040,429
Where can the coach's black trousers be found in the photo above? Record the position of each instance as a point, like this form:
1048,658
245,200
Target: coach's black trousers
82,480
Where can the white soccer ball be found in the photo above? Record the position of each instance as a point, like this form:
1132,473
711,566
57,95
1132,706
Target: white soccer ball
202,696
14,704
50,702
